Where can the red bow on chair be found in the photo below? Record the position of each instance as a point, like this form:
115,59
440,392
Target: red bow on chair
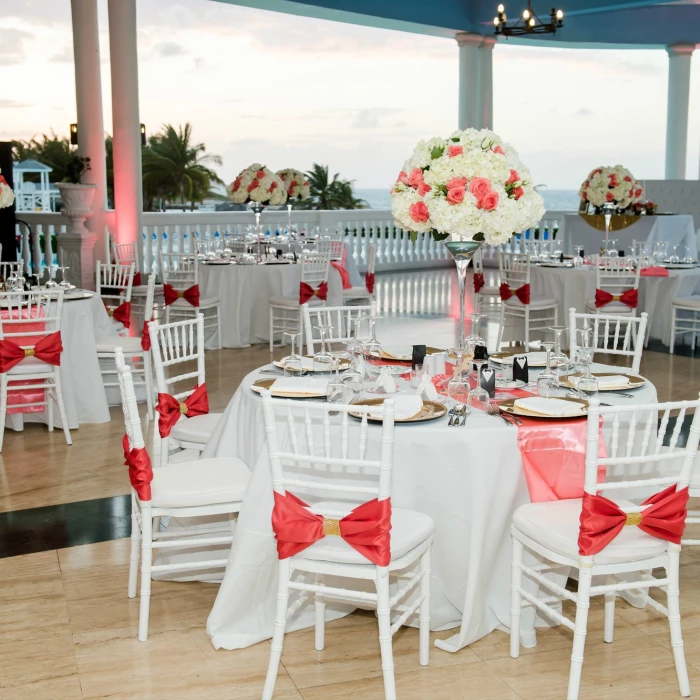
170,409
306,292
523,293
121,313
145,338
366,529
630,297
369,282
602,520
190,295
478,282
137,280
140,469
48,349
344,274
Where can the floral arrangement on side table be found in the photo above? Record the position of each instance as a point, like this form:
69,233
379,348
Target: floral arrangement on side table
7,196
295,183
257,184
611,185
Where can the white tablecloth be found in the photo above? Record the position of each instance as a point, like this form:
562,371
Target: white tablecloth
573,287
83,391
245,291
469,480
674,229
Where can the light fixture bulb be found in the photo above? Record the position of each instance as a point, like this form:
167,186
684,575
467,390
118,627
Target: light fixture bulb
532,21
526,14
496,21
560,14
501,8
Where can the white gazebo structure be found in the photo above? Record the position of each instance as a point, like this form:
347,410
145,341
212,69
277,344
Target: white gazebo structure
32,196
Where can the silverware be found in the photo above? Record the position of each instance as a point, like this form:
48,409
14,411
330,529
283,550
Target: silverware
451,414
620,393
460,413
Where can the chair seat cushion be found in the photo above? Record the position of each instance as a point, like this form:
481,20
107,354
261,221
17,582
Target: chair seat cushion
200,482
355,292
614,307
107,343
196,429
535,302
293,302
408,529
555,524
30,365
693,301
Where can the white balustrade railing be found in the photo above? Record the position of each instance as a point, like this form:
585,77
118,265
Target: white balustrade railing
177,232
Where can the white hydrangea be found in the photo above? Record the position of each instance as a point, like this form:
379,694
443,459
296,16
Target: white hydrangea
468,183
257,184
7,196
295,183
611,184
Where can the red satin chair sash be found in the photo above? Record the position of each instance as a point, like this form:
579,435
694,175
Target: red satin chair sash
140,469
306,292
602,520
170,409
137,280
121,313
190,295
478,282
522,293
630,297
48,349
145,338
369,282
344,274
367,529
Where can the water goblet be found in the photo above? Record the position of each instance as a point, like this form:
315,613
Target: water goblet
373,348
559,360
478,397
474,338
673,259
352,376
336,388
458,386
64,282
323,360
547,380
293,364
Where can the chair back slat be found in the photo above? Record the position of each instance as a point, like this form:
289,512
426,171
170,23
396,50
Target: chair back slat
514,269
338,319
372,258
125,253
132,421
615,275
314,268
179,270
114,282
26,317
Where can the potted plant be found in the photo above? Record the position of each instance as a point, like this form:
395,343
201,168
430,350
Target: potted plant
76,196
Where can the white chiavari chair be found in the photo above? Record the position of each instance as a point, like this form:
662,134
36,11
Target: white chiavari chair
285,311
538,314
483,292
181,272
366,291
333,246
615,277
114,284
136,349
9,268
205,487
125,253
564,534
27,319
337,319
693,517
685,319
309,462
178,356
612,334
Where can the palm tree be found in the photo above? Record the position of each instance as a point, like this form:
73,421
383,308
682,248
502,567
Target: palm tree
175,169
50,150
326,193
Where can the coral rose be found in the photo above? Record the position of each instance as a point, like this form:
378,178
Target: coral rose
423,188
419,212
480,187
253,185
402,178
415,178
514,177
456,182
498,149
456,195
609,197
260,174
518,192
489,201
453,151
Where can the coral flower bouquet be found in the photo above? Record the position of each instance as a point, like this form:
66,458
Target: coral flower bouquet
257,184
611,185
7,196
295,183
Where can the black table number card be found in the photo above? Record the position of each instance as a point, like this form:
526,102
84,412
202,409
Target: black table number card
488,380
520,368
418,355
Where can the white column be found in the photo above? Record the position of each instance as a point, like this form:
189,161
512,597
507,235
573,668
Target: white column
486,82
469,44
91,137
679,58
128,196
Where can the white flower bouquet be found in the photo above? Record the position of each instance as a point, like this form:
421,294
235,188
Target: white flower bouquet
7,196
257,184
295,183
471,186
611,185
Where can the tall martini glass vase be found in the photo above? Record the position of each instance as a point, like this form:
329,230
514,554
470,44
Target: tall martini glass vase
462,251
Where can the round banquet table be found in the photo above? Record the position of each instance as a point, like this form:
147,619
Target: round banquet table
468,480
244,292
574,286
83,391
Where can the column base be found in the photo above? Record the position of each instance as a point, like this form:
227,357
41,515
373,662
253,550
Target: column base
76,251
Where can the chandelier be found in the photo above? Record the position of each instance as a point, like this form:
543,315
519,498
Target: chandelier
529,22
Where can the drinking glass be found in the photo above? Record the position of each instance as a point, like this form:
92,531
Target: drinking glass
557,249
352,376
559,360
474,338
335,391
534,251
545,249
673,259
292,363
323,360
612,248
64,282
458,386
373,348
547,380
479,397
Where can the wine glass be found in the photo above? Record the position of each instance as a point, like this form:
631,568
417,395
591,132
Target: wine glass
474,338
373,348
335,390
478,397
587,385
64,282
547,380
612,248
559,359
352,376
293,364
458,386
673,259
323,360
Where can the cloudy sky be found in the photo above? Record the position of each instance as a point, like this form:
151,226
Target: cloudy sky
289,91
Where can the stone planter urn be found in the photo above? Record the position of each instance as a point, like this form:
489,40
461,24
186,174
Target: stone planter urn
76,245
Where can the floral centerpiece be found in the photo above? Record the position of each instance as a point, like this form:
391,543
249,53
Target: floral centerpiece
295,183
259,185
611,185
470,187
7,196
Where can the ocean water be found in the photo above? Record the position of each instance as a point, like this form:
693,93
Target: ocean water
559,200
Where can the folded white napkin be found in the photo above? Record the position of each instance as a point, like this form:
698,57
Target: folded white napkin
534,359
398,354
405,406
385,381
301,385
426,390
549,407
614,381
362,366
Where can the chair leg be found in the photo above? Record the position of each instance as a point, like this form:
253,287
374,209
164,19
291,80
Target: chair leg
527,329
424,614
3,407
319,602
502,324
164,451
384,618
582,605
278,635
674,620
48,397
135,550
148,380
673,331
61,405
146,563
272,324
609,626
516,578
218,327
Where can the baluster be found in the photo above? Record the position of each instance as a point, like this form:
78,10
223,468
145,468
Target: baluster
36,249
26,248
48,248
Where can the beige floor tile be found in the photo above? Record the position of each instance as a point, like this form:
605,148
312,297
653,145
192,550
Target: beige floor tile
32,618
65,688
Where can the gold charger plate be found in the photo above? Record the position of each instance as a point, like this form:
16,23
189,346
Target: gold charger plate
635,381
388,356
498,357
261,384
508,406
431,411
344,364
